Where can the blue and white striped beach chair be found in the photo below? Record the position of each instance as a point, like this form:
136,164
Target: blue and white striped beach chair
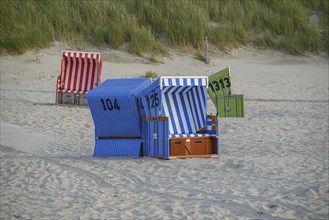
175,121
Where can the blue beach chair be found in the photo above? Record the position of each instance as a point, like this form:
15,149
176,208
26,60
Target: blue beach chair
118,126
174,116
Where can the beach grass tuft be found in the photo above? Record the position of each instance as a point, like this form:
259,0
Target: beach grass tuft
151,74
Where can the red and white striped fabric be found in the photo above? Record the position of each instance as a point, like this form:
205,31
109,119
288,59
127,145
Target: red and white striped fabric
80,71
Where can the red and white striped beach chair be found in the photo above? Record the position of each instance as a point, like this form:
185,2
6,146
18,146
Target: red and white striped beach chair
80,73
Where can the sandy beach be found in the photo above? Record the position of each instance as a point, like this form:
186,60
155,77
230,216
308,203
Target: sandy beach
273,163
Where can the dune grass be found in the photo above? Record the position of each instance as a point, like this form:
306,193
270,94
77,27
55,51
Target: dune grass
151,26
150,74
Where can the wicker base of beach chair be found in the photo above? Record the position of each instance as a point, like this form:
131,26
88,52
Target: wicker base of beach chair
193,147
194,156
70,98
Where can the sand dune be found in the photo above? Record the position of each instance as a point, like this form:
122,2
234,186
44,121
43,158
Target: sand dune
273,164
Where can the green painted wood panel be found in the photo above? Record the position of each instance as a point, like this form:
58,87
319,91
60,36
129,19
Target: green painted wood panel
230,106
219,84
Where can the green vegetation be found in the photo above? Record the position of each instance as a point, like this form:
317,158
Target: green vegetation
199,56
150,74
151,26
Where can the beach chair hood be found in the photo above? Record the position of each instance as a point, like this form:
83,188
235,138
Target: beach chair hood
116,117
80,71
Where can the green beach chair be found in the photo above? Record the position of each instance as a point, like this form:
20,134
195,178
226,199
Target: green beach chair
219,90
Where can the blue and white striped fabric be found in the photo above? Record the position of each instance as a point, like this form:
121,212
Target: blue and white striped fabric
188,135
184,81
185,103
209,124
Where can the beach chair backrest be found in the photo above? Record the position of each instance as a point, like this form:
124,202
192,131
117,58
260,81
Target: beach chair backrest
185,103
220,84
182,99
80,71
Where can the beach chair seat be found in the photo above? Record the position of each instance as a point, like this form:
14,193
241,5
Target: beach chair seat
175,121
80,72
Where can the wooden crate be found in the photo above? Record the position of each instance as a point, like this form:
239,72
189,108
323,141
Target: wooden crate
193,147
67,98
83,99
200,146
179,146
214,145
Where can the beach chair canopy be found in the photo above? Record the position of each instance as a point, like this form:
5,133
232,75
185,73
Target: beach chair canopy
182,99
116,117
80,71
